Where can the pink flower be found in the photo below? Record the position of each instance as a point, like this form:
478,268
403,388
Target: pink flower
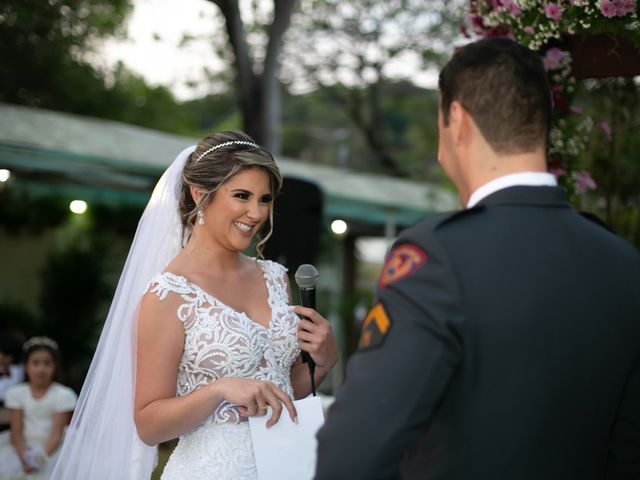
584,181
477,24
553,58
606,128
529,30
512,6
625,6
557,171
608,8
553,11
576,110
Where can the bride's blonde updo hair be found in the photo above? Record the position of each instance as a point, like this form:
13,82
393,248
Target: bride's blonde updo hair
216,159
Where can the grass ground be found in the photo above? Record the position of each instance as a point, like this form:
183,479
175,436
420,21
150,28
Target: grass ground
164,450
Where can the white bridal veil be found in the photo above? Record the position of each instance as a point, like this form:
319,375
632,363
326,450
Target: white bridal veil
102,441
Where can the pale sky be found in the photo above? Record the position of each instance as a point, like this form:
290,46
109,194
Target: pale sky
161,61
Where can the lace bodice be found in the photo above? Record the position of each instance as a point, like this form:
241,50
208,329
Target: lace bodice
219,341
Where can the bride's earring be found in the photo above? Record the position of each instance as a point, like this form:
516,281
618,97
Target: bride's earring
200,217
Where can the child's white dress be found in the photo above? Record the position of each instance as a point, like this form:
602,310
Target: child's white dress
37,421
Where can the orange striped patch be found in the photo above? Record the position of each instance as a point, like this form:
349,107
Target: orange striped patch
374,328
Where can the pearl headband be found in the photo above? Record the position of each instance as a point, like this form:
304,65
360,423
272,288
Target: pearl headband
40,342
225,144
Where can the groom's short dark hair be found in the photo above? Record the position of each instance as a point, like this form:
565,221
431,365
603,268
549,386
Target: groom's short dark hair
504,87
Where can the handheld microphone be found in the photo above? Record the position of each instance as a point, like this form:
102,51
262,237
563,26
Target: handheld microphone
306,278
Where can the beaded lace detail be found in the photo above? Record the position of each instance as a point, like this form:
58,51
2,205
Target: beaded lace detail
219,341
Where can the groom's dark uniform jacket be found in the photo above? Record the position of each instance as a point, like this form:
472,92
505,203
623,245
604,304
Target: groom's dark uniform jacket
504,345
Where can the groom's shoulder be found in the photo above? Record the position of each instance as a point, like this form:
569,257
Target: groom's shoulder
439,221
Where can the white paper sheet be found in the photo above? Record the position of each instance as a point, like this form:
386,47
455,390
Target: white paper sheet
287,451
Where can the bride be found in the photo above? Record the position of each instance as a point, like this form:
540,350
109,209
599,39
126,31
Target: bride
199,336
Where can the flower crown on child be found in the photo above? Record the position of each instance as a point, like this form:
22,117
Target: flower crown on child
40,342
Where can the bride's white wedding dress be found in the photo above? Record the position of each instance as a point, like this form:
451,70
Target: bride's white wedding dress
220,341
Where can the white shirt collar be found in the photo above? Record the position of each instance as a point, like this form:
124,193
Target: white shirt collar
531,179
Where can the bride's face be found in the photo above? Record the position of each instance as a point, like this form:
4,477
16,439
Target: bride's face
239,208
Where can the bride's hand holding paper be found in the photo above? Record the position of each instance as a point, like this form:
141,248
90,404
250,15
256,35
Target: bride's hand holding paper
254,398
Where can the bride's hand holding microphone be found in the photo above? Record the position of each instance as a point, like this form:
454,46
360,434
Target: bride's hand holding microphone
316,337
314,331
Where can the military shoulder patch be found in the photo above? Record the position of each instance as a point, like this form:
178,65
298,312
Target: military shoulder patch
374,328
401,262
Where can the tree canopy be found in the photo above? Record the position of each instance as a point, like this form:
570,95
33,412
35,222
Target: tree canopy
44,46
355,51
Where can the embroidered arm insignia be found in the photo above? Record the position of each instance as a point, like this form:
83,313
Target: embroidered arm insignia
401,262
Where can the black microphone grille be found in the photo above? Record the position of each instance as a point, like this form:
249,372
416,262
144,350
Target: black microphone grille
306,276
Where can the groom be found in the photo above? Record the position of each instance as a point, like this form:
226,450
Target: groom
505,341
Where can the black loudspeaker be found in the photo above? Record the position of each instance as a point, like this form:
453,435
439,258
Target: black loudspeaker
297,220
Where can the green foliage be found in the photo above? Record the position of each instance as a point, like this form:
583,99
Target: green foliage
315,129
20,212
613,158
214,113
42,44
361,53
17,320
73,295
132,100
43,47
119,220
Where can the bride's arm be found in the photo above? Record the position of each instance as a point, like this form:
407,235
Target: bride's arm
301,380
159,414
